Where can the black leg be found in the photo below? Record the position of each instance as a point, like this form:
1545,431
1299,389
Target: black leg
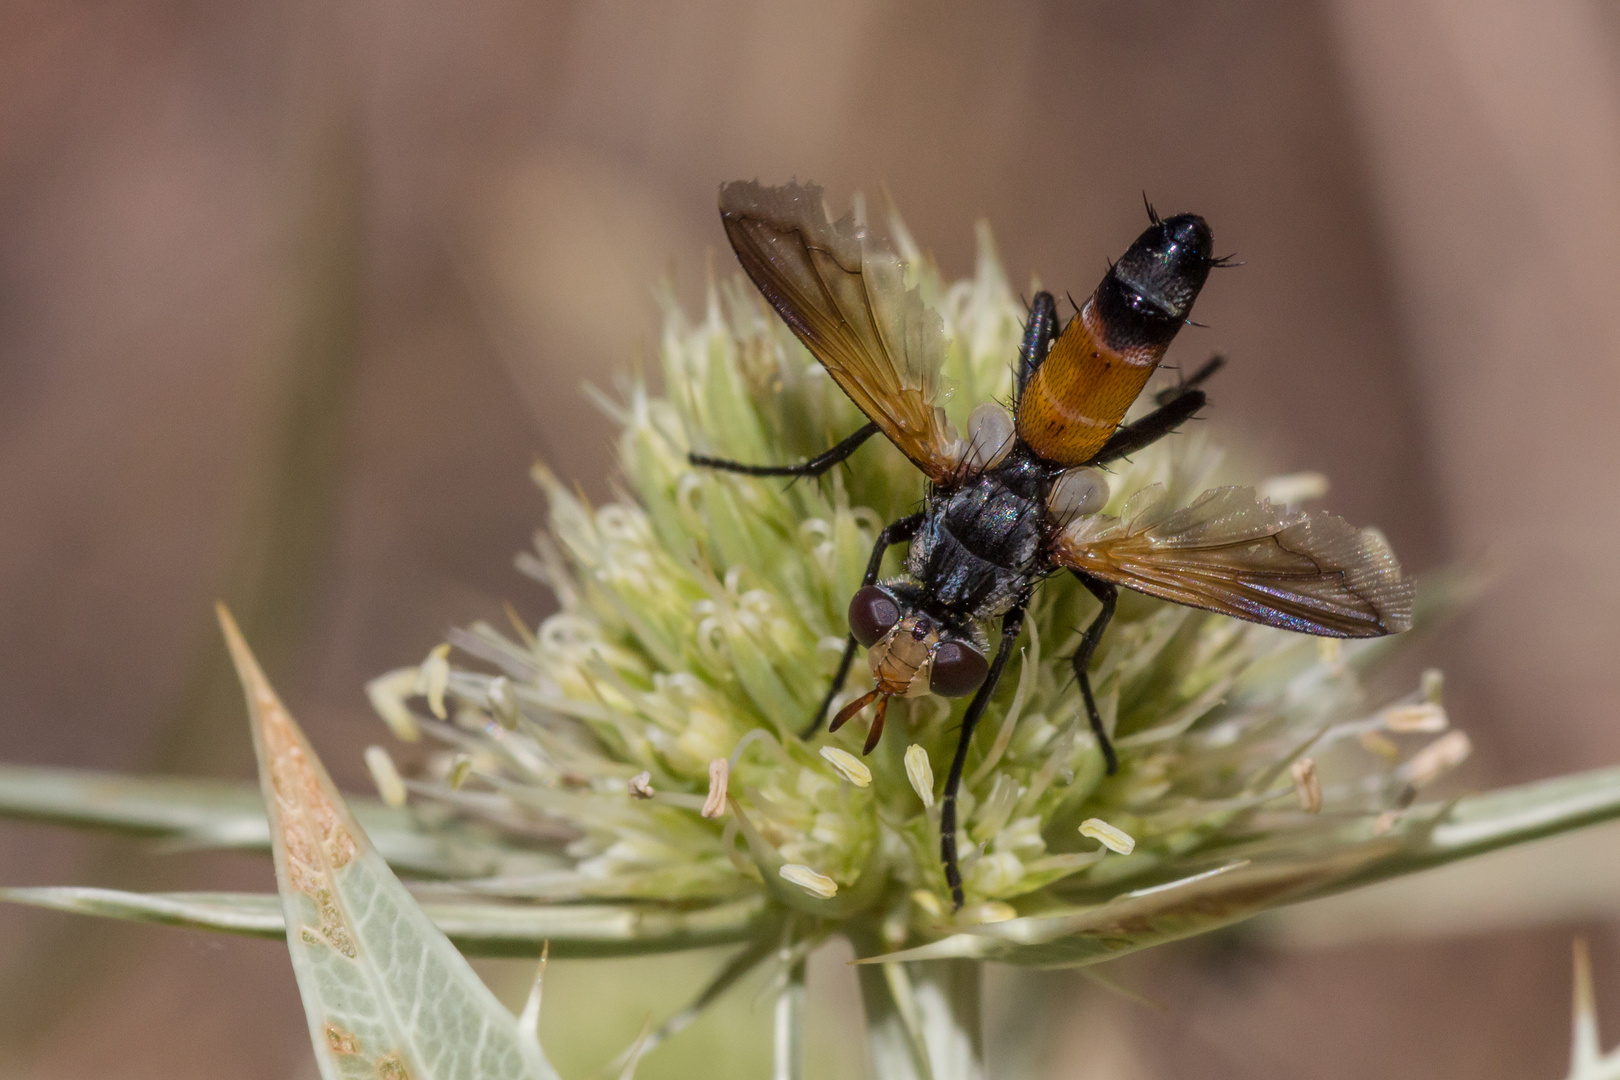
1170,393
814,467
1150,429
1011,624
1038,334
832,691
1081,660
893,533
1176,405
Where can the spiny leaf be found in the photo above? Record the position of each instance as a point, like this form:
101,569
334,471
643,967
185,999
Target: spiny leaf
1556,880
385,992
1073,936
477,928
208,814
1237,889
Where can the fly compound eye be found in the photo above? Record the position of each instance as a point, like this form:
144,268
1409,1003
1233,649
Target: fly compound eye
872,613
959,669
1077,493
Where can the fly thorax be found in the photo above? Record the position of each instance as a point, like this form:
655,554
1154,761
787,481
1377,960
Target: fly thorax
977,547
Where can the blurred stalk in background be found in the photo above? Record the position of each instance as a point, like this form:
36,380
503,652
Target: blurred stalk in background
284,522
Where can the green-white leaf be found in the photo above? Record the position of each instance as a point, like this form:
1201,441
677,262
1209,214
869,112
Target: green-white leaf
199,814
1557,880
1248,882
386,994
477,928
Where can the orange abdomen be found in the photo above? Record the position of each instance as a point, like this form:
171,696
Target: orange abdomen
1079,395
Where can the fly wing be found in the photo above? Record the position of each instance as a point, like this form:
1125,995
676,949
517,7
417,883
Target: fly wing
844,294
1234,553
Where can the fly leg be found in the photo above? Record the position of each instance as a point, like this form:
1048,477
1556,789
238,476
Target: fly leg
1176,404
1011,624
814,467
1107,594
894,533
1039,331
1170,393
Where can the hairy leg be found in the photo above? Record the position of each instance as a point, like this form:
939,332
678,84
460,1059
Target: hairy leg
1108,595
1011,624
1039,331
814,467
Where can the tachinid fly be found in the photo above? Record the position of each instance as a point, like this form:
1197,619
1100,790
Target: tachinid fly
1020,497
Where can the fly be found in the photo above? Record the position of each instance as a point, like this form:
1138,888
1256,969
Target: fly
1019,498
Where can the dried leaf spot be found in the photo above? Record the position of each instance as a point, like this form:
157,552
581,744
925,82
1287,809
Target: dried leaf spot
340,1041
340,940
340,847
392,1067
334,928
309,821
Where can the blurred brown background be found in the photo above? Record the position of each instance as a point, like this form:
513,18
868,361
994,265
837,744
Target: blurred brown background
291,294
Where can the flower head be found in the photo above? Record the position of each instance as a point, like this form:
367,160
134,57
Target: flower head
649,730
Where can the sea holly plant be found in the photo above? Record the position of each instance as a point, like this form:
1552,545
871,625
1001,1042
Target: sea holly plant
629,776
385,992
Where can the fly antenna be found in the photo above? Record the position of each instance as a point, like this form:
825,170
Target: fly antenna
1153,215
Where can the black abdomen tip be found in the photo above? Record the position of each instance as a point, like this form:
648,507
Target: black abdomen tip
1146,296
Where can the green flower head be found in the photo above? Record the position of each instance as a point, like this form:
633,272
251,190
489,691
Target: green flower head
648,733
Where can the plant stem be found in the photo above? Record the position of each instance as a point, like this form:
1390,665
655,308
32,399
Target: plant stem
788,1051
924,1020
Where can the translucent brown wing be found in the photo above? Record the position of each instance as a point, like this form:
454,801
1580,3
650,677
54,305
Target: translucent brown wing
844,294
1234,553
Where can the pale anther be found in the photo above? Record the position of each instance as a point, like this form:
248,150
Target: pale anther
818,885
502,702
1376,742
388,693
719,773
641,786
1407,719
849,766
385,776
921,774
1437,759
1114,839
992,911
434,678
1307,785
